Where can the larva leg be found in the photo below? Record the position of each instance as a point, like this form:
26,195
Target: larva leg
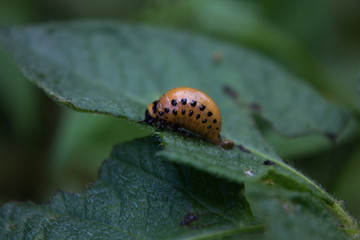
185,133
180,130
161,126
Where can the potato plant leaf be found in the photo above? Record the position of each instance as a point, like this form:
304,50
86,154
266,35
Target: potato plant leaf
139,195
119,68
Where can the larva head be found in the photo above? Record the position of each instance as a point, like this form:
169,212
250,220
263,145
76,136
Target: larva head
151,110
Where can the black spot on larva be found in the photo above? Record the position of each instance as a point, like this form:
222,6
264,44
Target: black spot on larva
154,107
210,114
183,101
183,111
161,113
197,116
217,128
230,92
193,103
188,218
204,121
173,102
209,126
175,112
202,107
269,163
215,121
191,113
166,110
240,147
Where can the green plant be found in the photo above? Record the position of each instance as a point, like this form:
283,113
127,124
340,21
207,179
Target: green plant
148,185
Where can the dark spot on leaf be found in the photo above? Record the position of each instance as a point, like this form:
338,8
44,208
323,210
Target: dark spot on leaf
255,107
269,163
240,147
217,57
289,207
230,92
331,136
188,219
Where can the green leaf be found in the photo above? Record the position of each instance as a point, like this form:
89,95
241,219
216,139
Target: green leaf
245,167
292,215
137,196
236,165
117,68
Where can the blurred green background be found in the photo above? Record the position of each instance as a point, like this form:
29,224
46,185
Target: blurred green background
44,146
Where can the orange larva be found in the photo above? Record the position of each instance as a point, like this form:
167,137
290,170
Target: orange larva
190,109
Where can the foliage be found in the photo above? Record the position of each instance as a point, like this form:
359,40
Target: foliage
117,69
141,196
